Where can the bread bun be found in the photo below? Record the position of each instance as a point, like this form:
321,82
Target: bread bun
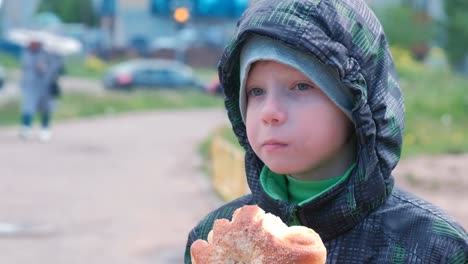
253,237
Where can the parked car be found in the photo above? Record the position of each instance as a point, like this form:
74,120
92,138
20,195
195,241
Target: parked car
2,76
151,73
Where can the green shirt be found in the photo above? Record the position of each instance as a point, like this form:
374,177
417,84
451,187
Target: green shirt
300,192
286,188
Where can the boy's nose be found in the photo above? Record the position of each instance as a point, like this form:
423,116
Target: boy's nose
273,112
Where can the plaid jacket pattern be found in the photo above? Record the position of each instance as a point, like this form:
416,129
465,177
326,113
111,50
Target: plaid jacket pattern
364,219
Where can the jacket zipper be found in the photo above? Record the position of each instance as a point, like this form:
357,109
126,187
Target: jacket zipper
294,217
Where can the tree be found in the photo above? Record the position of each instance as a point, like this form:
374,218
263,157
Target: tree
456,26
71,11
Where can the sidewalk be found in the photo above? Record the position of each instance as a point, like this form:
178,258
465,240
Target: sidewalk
107,190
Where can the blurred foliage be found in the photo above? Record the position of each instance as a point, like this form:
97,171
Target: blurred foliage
90,68
9,112
94,63
436,110
437,59
71,11
118,102
456,25
75,105
405,27
407,66
9,61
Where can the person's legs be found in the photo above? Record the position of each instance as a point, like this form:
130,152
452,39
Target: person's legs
45,120
26,121
28,111
45,134
46,107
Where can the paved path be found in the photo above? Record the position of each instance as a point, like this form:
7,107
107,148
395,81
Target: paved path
441,180
106,190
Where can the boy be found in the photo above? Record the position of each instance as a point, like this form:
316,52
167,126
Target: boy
312,95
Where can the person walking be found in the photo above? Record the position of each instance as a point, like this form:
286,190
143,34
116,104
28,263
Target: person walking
56,68
38,72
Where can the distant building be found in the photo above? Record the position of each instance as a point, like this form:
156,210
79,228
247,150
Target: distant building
140,21
17,13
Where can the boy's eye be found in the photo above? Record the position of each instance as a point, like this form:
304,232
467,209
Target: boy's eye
302,86
256,92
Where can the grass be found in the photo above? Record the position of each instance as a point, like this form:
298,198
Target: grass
436,113
85,69
9,112
74,105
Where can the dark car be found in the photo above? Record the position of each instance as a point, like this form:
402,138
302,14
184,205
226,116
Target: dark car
151,73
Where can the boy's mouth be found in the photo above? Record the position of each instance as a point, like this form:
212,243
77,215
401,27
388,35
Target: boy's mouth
272,145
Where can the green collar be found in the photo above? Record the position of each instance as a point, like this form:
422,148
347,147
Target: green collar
286,188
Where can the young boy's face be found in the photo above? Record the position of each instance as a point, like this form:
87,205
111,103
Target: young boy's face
292,126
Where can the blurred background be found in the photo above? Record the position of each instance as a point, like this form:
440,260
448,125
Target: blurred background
128,170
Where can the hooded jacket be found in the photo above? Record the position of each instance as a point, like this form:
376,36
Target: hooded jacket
364,219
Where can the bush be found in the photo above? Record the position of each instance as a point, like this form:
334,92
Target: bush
91,67
71,11
93,63
406,65
406,28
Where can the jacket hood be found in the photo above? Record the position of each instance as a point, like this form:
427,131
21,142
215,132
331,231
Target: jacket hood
346,35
